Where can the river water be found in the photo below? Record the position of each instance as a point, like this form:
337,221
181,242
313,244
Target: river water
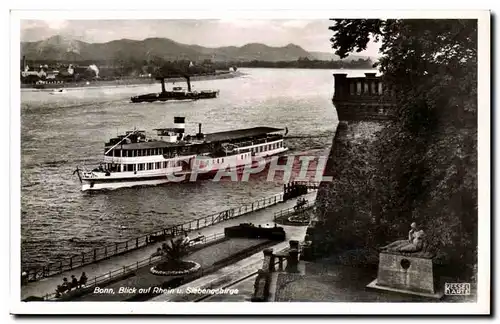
59,132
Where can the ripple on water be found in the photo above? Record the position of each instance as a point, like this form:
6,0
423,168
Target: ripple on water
60,133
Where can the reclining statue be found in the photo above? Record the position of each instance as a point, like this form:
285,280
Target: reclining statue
414,243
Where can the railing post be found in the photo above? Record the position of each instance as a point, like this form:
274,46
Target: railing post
136,242
126,246
116,248
198,224
71,262
95,254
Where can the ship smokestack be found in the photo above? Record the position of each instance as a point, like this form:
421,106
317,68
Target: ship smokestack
199,128
180,126
163,85
188,79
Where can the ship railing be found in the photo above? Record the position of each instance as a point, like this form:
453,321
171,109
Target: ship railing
124,271
118,248
261,141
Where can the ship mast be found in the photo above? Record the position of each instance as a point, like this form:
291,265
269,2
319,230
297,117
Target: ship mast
112,147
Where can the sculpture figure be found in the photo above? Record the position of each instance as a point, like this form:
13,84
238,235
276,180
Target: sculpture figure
414,243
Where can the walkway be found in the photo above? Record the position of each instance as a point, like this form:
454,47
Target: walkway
231,273
48,285
143,278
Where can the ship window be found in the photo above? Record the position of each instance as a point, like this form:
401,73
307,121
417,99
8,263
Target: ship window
139,153
222,160
160,151
134,167
130,167
217,161
158,165
150,166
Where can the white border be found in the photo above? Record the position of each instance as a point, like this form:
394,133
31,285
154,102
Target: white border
481,307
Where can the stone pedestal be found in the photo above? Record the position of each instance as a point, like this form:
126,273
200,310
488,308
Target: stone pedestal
411,273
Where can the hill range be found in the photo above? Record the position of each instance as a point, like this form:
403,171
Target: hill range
59,48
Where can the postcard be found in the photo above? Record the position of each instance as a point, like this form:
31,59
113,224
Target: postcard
325,163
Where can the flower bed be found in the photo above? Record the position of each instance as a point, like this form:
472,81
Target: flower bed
299,219
170,269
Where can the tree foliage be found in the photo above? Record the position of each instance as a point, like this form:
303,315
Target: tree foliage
424,162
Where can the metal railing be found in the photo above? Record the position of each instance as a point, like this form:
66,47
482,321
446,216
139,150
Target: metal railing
123,271
99,254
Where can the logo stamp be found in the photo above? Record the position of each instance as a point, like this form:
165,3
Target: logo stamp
459,289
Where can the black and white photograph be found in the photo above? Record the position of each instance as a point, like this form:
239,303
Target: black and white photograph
273,163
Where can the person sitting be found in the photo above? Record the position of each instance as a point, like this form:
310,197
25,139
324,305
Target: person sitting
414,243
83,280
74,282
58,291
65,285
158,252
186,239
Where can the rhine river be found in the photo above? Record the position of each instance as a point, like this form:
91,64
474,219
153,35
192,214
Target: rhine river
59,132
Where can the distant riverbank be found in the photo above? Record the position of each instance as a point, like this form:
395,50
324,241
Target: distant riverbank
129,81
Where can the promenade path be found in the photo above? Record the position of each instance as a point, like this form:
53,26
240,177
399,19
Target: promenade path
47,285
231,273
143,277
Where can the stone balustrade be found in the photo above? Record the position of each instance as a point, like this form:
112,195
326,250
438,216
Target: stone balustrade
362,98
263,280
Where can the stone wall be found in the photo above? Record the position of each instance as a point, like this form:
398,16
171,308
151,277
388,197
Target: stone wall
346,207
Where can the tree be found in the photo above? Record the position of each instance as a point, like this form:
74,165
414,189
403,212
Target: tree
426,160
174,252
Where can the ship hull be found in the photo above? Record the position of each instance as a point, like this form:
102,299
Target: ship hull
92,181
166,96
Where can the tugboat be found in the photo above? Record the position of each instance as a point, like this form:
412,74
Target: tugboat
135,160
177,93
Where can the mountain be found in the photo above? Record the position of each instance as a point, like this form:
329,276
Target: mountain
59,48
326,56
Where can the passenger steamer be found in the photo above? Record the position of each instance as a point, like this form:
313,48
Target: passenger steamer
133,159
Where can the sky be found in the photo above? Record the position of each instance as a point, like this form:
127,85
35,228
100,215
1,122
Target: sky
312,35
